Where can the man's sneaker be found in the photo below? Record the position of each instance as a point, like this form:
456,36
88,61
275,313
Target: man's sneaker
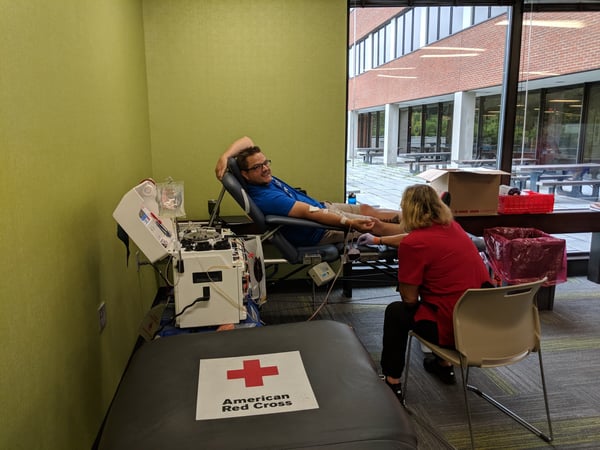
396,389
444,373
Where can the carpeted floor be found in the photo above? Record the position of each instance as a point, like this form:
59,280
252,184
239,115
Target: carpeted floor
571,354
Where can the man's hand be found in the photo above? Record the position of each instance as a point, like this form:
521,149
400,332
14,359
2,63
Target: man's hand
362,225
233,150
221,167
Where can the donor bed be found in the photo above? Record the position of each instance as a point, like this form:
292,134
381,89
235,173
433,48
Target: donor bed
298,385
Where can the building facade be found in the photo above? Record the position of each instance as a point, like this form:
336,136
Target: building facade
429,79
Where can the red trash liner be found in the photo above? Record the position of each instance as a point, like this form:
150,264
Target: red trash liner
521,255
528,202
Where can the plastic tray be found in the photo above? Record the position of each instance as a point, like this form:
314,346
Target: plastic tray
528,202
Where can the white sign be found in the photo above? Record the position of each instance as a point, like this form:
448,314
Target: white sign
253,385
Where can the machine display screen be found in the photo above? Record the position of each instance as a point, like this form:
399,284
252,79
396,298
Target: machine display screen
207,277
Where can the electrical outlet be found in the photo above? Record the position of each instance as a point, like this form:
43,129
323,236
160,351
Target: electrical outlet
102,315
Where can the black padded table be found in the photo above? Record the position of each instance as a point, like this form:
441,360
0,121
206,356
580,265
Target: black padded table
155,405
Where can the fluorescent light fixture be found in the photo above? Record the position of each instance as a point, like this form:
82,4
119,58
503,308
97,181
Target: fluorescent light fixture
464,49
549,23
451,55
390,69
560,100
547,74
397,76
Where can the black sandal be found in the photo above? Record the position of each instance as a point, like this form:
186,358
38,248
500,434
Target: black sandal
444,373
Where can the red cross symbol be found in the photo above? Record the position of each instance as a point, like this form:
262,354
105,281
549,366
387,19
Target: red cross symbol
252,373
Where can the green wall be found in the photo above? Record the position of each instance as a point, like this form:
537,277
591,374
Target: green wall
74,137
274,70
98,94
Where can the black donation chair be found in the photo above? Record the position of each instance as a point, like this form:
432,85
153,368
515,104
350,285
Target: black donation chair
269,226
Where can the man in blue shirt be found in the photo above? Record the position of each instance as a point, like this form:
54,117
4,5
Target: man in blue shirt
273,196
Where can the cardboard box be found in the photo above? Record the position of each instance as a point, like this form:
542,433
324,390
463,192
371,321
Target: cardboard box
474,192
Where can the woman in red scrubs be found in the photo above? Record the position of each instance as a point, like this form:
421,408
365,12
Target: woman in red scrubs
437,263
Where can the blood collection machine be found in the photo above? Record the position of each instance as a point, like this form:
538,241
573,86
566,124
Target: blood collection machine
212,269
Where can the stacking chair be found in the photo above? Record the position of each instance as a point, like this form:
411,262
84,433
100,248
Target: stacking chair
493,327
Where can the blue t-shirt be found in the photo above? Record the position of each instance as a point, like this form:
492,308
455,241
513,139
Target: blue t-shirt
277,198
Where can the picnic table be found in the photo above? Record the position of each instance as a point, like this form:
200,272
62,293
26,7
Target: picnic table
560,175
475,162
417,160
368,152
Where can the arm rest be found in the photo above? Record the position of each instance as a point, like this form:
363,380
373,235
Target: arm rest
294,221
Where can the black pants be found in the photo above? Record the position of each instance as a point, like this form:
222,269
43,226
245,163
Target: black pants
398,321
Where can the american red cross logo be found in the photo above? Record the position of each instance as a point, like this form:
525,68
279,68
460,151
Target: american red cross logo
252,373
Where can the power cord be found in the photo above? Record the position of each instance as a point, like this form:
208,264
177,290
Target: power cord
332,283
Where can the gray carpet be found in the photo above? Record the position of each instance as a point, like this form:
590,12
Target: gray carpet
571,354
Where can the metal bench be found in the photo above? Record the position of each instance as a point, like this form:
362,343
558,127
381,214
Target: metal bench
368,153
575,186
520,181
418,166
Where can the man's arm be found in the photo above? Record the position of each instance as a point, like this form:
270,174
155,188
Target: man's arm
323,216
233,150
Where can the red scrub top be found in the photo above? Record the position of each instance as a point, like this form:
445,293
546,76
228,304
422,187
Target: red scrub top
444,262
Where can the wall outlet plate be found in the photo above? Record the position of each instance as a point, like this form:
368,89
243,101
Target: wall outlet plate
102,315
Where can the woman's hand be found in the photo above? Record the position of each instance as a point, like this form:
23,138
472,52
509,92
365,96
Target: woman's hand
366,239
362,225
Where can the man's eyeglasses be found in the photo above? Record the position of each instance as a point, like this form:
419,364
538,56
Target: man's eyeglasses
265,163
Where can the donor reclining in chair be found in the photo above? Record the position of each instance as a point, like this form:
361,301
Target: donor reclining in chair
273,196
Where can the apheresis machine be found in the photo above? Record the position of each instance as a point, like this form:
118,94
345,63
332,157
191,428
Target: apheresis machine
213,271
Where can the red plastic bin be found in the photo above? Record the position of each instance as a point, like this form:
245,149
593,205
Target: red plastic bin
521,255
528,202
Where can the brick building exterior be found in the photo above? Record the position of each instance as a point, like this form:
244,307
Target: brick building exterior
559,52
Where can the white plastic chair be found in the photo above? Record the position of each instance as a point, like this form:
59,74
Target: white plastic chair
493,327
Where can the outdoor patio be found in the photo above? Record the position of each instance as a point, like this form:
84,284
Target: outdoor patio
386,183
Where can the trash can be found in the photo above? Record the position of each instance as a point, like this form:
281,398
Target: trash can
521,255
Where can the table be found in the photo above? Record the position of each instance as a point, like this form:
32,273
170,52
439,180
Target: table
536,171
368,152
558,222
476,162
491,161
424,158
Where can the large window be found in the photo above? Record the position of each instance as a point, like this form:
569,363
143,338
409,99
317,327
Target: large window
487,119
444,85
591,150
412,29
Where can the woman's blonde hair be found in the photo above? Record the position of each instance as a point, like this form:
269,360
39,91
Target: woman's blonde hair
422,207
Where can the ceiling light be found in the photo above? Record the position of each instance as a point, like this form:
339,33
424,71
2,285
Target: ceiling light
549,23
548,74
396,76
465,49
393,68
450,55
